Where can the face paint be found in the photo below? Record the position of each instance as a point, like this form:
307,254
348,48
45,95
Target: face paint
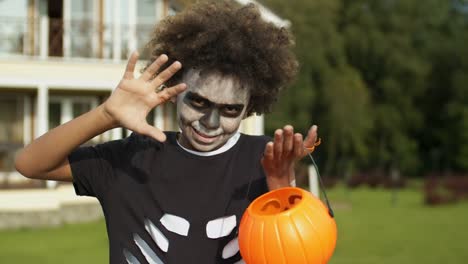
210,110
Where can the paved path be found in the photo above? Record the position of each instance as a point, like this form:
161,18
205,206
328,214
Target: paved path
45,207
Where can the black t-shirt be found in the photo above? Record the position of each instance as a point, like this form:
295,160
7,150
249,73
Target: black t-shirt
163,204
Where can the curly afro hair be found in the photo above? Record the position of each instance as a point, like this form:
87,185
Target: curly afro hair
224,37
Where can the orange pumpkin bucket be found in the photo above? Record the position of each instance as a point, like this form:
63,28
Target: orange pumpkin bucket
287,226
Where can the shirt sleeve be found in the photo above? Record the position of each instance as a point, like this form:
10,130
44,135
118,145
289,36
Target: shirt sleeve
93,167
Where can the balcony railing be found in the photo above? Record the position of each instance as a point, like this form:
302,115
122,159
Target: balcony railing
47,37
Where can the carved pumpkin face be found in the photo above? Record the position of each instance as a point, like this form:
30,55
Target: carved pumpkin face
288,225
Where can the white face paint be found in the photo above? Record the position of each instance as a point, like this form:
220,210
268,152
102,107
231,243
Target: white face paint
210,110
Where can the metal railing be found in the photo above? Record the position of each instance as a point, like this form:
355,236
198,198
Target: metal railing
46,37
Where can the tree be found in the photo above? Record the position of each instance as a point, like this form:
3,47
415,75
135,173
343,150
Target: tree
328,91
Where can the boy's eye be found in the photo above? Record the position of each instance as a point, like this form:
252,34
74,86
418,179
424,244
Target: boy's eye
232,111
197,102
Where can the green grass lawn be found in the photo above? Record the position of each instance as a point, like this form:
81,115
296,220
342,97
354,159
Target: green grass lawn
79,243
370,230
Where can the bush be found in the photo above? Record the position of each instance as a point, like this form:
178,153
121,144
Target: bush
375,179
447,189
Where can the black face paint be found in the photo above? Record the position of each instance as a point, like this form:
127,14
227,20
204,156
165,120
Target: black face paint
202,104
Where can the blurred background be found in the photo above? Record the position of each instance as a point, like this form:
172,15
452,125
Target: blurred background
386,81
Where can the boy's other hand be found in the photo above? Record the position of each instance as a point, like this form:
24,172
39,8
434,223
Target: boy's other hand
134,98
280,156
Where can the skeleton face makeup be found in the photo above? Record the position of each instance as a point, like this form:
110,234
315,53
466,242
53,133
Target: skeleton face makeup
210,110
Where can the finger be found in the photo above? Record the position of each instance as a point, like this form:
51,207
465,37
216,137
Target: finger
278,144
268,157
152,131
154,67
288,139
166,74
132,61
311,137
298,146
268,153
168,93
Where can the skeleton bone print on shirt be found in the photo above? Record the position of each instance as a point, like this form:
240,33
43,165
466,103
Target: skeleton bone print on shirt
166,204
215,229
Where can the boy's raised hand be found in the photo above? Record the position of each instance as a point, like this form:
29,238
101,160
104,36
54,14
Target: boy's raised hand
134,98
280,156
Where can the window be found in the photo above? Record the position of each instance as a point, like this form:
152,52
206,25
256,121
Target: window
128,26
11,130
146,21
65,108
84,26
55,112
13,26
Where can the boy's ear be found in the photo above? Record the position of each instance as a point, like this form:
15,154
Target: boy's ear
247,111
246,114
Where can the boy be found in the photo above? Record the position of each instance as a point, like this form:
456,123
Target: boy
178,197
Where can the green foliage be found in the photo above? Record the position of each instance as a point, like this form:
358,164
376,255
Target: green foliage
386,81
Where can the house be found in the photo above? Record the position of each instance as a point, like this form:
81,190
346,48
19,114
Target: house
61,58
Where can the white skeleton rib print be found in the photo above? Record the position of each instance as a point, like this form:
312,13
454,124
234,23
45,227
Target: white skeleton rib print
216,228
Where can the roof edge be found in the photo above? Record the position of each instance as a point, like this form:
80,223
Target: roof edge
266,13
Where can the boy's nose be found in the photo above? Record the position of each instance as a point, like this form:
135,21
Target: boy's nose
211,119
